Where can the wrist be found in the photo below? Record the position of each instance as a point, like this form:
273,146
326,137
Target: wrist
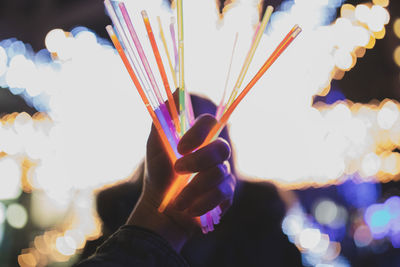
175,227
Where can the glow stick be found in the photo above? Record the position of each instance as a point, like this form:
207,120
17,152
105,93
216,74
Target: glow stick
221,105
172,31
160,65
181,67
250,55
216,130
140,50
255,33
164,41
294,32
167,137
189,109
131,52
147,67
164,139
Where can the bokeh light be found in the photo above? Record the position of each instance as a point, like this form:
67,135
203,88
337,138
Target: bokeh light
382,3
396,27
370,164
54,40
2,213
396,55
309,238
362,236
16,215
66,245
10,182
325,212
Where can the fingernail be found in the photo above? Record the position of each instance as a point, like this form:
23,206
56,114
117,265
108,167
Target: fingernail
183,147
179,166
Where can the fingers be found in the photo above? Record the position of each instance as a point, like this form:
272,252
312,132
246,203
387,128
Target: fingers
154,143
211,155
196,135
207,190
207,201
200,184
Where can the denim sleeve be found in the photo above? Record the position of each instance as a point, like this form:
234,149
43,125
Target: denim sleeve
134,246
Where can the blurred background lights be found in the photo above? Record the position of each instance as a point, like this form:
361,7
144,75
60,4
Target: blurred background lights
378,18
393,206
396,55
382,3
3,61
10,182
323,143
370,164
309,238
54,40
16,215
333,251
396,27
27,260
378,219
2,213
362,13
388,115
292,225
66,245
322,245
362,236
325,212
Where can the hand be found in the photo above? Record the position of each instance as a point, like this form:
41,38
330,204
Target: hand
213,184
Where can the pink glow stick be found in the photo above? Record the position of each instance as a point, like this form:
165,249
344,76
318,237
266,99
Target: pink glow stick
147,67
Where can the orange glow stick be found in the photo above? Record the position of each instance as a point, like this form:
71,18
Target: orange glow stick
216,130
142,94
171,101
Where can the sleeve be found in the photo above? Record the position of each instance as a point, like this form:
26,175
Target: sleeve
134,246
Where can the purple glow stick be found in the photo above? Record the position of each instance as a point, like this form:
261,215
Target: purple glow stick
210,223
189,108
172,30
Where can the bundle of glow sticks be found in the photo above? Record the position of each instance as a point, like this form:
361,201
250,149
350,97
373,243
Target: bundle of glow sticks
171,125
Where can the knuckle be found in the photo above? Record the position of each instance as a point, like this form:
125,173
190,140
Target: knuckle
220,170
207,118
223,148
225,190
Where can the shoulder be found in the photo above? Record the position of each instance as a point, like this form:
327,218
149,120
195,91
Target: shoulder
261,199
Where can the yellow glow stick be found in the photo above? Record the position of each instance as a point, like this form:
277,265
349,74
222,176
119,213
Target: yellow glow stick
250,55
221,106
181,67
164,41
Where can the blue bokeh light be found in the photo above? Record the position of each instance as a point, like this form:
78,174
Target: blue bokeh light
359,195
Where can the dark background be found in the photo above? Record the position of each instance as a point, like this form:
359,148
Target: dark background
375,76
